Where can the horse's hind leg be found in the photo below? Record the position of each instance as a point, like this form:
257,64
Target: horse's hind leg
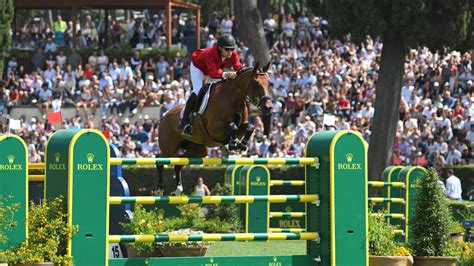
179,184
160,188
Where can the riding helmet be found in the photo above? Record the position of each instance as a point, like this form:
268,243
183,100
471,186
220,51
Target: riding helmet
226,41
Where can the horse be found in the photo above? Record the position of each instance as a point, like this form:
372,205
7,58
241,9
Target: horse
224,120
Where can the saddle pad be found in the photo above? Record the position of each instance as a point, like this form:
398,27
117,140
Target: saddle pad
204,102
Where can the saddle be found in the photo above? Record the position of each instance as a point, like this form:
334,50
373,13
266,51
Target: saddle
201,98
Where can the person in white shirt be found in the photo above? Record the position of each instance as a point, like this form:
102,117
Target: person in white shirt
453,186
269,28
454,156
470,134
226,25
50,73
201,189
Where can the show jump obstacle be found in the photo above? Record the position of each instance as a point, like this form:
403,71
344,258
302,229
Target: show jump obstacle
77,167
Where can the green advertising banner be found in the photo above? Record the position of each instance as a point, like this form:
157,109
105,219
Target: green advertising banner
343,158
257,213
14,185
57,164
89,155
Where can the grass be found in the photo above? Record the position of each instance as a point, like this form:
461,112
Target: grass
264,248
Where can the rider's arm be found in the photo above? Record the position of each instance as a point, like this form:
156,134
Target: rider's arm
236,61
214,71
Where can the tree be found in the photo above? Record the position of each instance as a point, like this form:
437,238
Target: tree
402,24
6,17
250,28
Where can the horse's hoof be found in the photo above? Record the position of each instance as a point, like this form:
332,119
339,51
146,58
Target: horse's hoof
178,191
181,152
158,192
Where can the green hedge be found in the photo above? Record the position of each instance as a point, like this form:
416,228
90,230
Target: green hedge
461,210
142,180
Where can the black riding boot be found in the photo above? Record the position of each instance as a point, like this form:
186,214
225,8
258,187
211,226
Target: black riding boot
184,125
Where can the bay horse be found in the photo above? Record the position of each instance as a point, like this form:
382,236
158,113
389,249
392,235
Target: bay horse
223,122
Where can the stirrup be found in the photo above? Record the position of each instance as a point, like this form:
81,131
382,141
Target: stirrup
187,130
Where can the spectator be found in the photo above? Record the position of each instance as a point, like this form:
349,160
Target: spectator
60,28
201,189
226,25
269,25
453,186
44,100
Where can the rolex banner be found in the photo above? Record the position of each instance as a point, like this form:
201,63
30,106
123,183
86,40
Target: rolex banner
14,185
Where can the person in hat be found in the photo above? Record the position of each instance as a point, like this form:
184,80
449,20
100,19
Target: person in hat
209,62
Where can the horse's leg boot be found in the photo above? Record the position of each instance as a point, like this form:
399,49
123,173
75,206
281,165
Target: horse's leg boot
185,126
248,132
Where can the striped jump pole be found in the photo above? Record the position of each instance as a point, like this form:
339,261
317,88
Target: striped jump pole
382,200
212,237
215,161
386,184
337,182
213,199
287,183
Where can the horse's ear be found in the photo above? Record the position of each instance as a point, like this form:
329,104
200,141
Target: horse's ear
265,68
255,67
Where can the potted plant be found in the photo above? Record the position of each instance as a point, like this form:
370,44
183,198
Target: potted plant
225,212
191,220
48,232
383,248
184,248
456,231
463,251
430,224
144,223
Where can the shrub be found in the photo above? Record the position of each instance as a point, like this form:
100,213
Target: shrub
382,237
226,212
432,220
7,217
146,223
459,210
48,233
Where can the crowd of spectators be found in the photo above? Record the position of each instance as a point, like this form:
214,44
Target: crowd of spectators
311,75
137,29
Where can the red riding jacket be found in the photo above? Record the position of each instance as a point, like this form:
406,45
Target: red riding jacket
210,62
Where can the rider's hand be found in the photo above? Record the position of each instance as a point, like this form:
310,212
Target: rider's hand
230,74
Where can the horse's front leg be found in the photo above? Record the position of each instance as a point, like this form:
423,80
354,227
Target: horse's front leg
245,140
179,184
233,139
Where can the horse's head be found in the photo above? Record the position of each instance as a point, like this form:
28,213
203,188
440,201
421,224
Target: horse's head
259,92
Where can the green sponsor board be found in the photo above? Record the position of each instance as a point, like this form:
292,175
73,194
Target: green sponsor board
77,167
254,180
342,172
232,178
391,174
288,222
57,164
14,184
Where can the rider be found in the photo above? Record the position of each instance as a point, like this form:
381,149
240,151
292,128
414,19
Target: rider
209,62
